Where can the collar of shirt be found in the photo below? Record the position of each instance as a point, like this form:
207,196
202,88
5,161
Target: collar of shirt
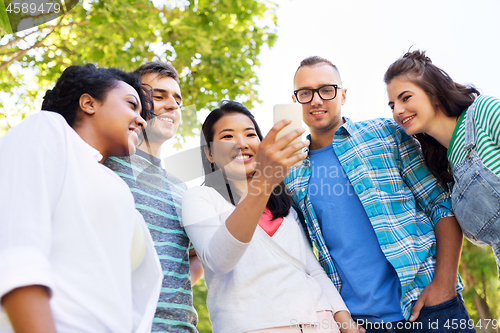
153,159
343,131
84,146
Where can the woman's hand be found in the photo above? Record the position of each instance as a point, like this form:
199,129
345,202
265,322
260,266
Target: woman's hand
274,158
346,324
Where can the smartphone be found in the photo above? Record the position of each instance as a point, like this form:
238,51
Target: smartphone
291,111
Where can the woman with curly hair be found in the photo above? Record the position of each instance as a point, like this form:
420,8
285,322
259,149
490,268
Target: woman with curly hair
75,255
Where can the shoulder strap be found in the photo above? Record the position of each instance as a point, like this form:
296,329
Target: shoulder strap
470,128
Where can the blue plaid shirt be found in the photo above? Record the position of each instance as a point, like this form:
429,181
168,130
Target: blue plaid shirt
401,198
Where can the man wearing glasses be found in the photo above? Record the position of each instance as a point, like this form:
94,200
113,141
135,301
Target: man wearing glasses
381,223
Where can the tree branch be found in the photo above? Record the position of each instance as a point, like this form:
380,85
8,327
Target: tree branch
68,50
68,25
52,27
21,53
17,39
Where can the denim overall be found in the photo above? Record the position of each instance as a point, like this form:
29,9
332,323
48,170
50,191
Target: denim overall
476,195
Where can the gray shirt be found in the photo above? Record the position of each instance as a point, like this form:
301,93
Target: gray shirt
158,197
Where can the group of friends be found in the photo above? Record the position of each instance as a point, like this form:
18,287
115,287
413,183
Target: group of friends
96,236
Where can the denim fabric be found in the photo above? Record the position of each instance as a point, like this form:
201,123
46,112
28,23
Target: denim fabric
476,196
450,316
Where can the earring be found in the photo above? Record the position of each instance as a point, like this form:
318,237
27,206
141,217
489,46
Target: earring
212,165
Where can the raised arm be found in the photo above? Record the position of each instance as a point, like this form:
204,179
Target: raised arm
221,237
273,161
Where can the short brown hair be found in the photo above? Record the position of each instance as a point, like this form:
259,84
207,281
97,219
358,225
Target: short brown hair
317,60
162,69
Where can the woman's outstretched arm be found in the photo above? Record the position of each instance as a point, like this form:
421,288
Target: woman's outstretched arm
221,248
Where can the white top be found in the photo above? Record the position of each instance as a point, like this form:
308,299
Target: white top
67,223
269,282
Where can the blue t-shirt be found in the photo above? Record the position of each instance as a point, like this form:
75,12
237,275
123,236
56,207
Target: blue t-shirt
370,285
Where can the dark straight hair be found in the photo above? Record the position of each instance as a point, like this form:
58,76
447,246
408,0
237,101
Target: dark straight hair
279,202
452,97
75,81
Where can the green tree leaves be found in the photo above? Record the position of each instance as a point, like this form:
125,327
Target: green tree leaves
213,44
482,288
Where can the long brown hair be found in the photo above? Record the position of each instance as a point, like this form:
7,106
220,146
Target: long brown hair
452,97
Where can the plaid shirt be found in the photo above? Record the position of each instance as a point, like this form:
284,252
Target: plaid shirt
401,198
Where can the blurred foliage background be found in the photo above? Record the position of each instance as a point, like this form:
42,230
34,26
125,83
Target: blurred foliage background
478,270
213,44
200,304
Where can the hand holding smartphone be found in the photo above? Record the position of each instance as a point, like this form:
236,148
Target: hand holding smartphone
291,111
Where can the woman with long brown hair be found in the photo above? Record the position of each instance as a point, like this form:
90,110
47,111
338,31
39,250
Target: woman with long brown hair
459,131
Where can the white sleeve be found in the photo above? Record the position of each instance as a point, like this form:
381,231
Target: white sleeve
32,168
204,223
317,272
146,282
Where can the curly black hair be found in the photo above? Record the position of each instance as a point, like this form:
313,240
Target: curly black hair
75,81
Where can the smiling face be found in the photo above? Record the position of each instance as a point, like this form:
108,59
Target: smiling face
411,106
167,100
117,121
322,117
235,144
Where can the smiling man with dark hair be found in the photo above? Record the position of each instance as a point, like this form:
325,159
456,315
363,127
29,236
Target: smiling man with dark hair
158,196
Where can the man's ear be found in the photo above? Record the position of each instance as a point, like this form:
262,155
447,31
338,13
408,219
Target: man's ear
88,104
344,96
208,153
294,99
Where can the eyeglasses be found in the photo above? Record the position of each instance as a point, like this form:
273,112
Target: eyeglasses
326,93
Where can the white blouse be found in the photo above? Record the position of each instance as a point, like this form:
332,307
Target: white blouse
269,282
67,223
